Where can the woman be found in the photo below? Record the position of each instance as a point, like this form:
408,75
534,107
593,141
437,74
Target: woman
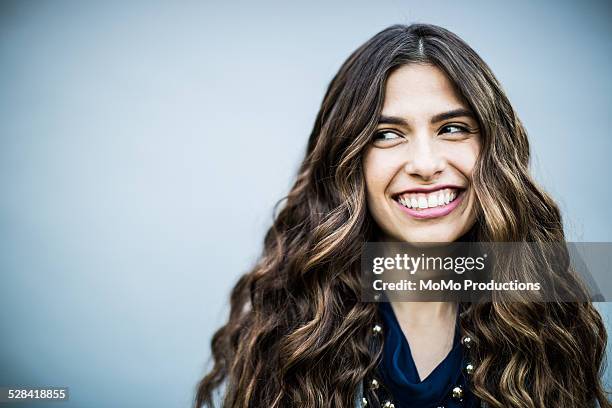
413,114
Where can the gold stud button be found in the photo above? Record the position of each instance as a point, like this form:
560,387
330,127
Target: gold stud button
374,384
457,392
469,368
377,329
388,404
466,341
364,402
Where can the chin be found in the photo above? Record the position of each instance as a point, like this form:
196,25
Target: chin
433,234
428,238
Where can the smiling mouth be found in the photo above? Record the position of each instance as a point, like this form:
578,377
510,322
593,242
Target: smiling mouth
423,200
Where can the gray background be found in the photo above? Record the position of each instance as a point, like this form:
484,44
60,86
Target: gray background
143,146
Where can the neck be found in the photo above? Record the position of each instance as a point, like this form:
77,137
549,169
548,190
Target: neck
425,313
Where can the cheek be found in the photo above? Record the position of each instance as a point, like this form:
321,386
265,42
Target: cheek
373,172
464,157
378,171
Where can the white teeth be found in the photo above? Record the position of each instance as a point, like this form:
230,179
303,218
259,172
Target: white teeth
422,201
432,200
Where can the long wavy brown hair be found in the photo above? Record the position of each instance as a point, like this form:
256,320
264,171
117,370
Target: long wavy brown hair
298,334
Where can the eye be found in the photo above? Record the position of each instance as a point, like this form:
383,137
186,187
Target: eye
385,135
453,129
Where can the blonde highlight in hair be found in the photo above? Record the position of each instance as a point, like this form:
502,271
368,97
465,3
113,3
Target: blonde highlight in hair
298,334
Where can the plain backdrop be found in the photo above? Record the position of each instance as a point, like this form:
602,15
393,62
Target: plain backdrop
144,144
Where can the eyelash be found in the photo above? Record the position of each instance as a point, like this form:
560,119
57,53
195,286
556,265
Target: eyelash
461,128
377,135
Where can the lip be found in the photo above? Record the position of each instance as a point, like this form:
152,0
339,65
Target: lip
435,212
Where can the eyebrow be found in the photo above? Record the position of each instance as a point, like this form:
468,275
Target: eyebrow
455,113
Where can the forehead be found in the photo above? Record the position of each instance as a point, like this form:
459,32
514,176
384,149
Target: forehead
416,90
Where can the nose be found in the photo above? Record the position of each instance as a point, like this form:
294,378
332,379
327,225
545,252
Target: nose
424,161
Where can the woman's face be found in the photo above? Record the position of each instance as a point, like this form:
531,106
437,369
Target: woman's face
418,167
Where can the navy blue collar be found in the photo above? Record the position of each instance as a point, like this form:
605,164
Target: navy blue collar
399,373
